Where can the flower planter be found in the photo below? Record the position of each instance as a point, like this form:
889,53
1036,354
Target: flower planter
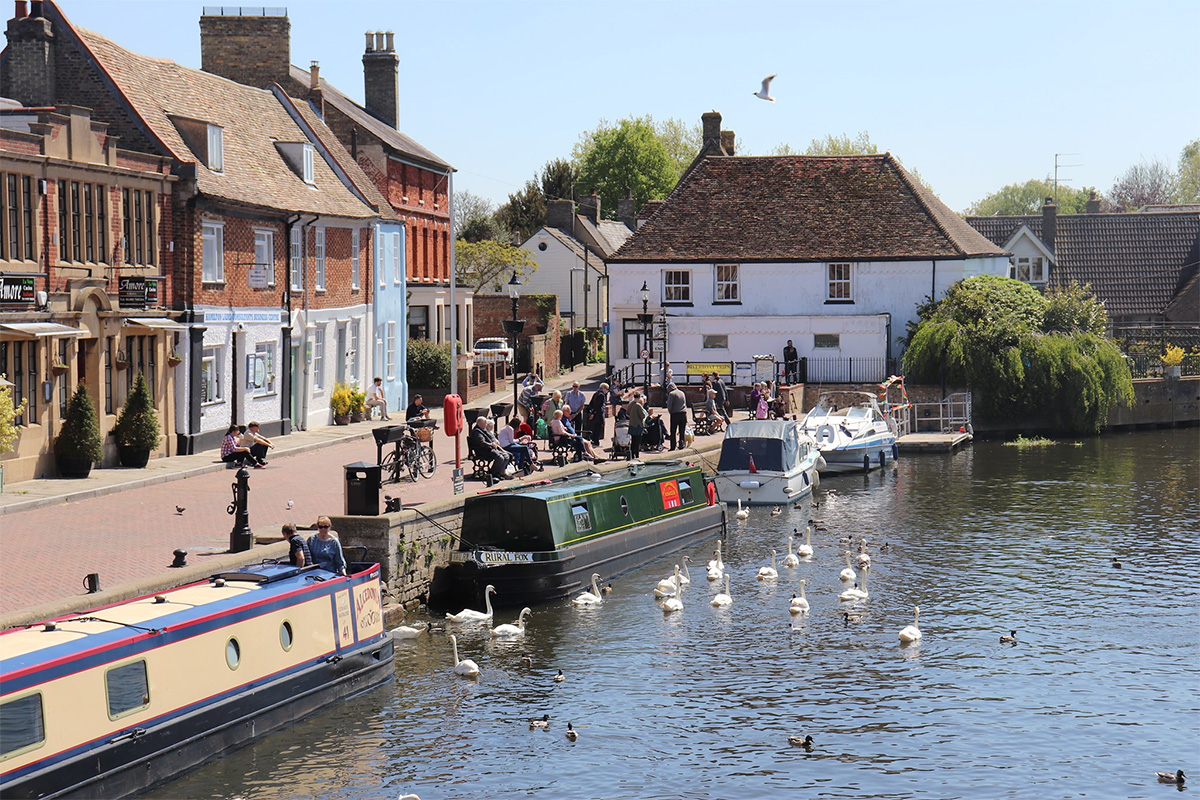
135,457
357,416
172,361
122,363
73,467
1173,372
59,369
341,419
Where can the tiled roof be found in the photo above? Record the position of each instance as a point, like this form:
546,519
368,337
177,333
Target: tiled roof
252,121
608,235
1136,263
802,208
348,165
395,139
567,240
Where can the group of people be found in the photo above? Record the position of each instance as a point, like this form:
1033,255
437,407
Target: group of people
244,445
322,549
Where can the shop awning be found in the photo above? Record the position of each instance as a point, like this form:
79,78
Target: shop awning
161,323
37,330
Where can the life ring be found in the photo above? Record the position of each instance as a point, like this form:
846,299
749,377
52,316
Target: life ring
826,434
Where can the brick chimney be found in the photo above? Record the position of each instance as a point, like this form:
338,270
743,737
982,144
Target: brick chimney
28,73
590,207
727,138
381,78
561,214
254,50
627,210
315,95
1093,204
710,141
1049,222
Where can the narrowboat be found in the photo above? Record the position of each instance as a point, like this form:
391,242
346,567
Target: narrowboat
767,462
116,700
542,542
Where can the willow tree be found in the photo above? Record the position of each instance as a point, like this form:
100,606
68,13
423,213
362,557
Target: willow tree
1027,356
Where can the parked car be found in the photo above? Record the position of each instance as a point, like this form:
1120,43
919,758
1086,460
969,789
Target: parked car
493,348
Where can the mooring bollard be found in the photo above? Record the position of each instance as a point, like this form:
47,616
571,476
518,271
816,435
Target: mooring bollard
91,582
241,538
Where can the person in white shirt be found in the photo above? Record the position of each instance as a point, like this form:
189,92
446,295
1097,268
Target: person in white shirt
511,442
375,398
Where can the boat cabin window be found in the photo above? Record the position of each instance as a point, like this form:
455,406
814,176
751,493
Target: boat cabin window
127,688
856,413
736,454
286,637
583,520
624,506
22,726
508,523
233,653
685,493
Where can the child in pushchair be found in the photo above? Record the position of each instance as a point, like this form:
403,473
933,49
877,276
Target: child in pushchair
655,436
621,440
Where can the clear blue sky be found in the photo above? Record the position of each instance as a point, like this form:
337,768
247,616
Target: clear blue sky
972,95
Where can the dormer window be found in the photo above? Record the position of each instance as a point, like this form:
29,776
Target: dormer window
301,158
216,148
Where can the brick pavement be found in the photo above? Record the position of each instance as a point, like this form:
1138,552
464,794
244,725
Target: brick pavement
53,533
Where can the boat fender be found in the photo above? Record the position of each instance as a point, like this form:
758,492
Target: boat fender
882,458
805,474
895,451
866,462
710,493
825,434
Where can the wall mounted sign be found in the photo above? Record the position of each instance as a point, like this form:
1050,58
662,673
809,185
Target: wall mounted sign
17,290
135,291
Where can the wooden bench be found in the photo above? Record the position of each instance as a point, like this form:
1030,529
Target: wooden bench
701,424
561,450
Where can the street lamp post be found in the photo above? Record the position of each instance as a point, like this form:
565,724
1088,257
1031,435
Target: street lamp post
514,326
646,318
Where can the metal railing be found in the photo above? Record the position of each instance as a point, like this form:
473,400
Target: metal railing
947,415
857,369
1148,365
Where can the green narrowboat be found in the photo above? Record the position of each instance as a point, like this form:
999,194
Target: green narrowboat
542,542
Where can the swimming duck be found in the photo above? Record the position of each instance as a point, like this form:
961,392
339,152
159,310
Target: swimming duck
526,660
801,741
540,724
1116,564
776,511
1166,777
848,618
607,589
559,678
1010,638
572,734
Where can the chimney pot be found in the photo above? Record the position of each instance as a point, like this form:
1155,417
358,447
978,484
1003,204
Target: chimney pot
391,47
22,9
314,75
381,84
1049,223
1093,204
379,41
727,139
35,9
370,42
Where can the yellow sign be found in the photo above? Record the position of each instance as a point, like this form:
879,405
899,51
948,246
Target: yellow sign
708,367
345,625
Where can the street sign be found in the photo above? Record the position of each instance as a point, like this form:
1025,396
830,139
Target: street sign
645,354
458,481
604,328
259,276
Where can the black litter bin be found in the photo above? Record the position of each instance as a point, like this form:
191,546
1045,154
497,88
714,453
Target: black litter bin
501,410
362,489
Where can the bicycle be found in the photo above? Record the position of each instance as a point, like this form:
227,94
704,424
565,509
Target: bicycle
406,456
426,458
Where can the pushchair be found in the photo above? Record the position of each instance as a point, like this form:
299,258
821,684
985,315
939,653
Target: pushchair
621,440
655,436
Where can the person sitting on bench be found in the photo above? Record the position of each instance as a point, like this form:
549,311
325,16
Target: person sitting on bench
560,426
518,446
484,446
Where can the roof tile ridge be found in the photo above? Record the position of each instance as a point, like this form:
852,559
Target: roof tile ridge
919,191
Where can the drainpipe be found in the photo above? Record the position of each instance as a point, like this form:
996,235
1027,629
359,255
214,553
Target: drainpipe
453,307
306,369
285,347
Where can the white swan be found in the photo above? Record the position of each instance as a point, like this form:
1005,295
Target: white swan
742,513
593,597
724,599
863,560
768,573
910,633
857,593
805,550
466,668
667,587
672,604
686,578
408,632
471,615
792,559
799,605
847,574
517,629
717,563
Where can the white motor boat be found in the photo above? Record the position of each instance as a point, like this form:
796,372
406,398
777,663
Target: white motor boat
852,432
767,462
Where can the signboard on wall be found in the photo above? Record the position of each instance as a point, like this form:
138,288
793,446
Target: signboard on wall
16,289
135,291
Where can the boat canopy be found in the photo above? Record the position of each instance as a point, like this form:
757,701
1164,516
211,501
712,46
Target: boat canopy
773,443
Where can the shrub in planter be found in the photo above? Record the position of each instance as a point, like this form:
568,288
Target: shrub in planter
428,364
8,416
339,402
358,404
77,445
137,430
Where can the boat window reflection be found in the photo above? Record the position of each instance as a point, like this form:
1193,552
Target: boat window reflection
285,635
583,520
685,492
624,506
22,726
127,688
233,653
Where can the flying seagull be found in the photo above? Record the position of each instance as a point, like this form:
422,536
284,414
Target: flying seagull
764,92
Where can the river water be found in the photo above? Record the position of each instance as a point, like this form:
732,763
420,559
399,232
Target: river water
1101,691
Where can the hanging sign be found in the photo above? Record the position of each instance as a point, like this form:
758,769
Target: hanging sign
17,290
135,291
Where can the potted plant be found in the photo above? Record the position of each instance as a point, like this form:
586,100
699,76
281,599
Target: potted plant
58,368
1172,359
77,446
174,359
122,360
137,430
339,401
358,404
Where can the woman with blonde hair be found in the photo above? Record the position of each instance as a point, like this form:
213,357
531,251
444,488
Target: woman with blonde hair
326,549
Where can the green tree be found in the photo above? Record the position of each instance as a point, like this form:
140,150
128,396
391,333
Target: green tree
626,156
558,180
474,217
79,436
428,364
843,145
486,264
682,142
1028,197
1144,183
8,416
1187,179
1025,355
137,426
525,211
